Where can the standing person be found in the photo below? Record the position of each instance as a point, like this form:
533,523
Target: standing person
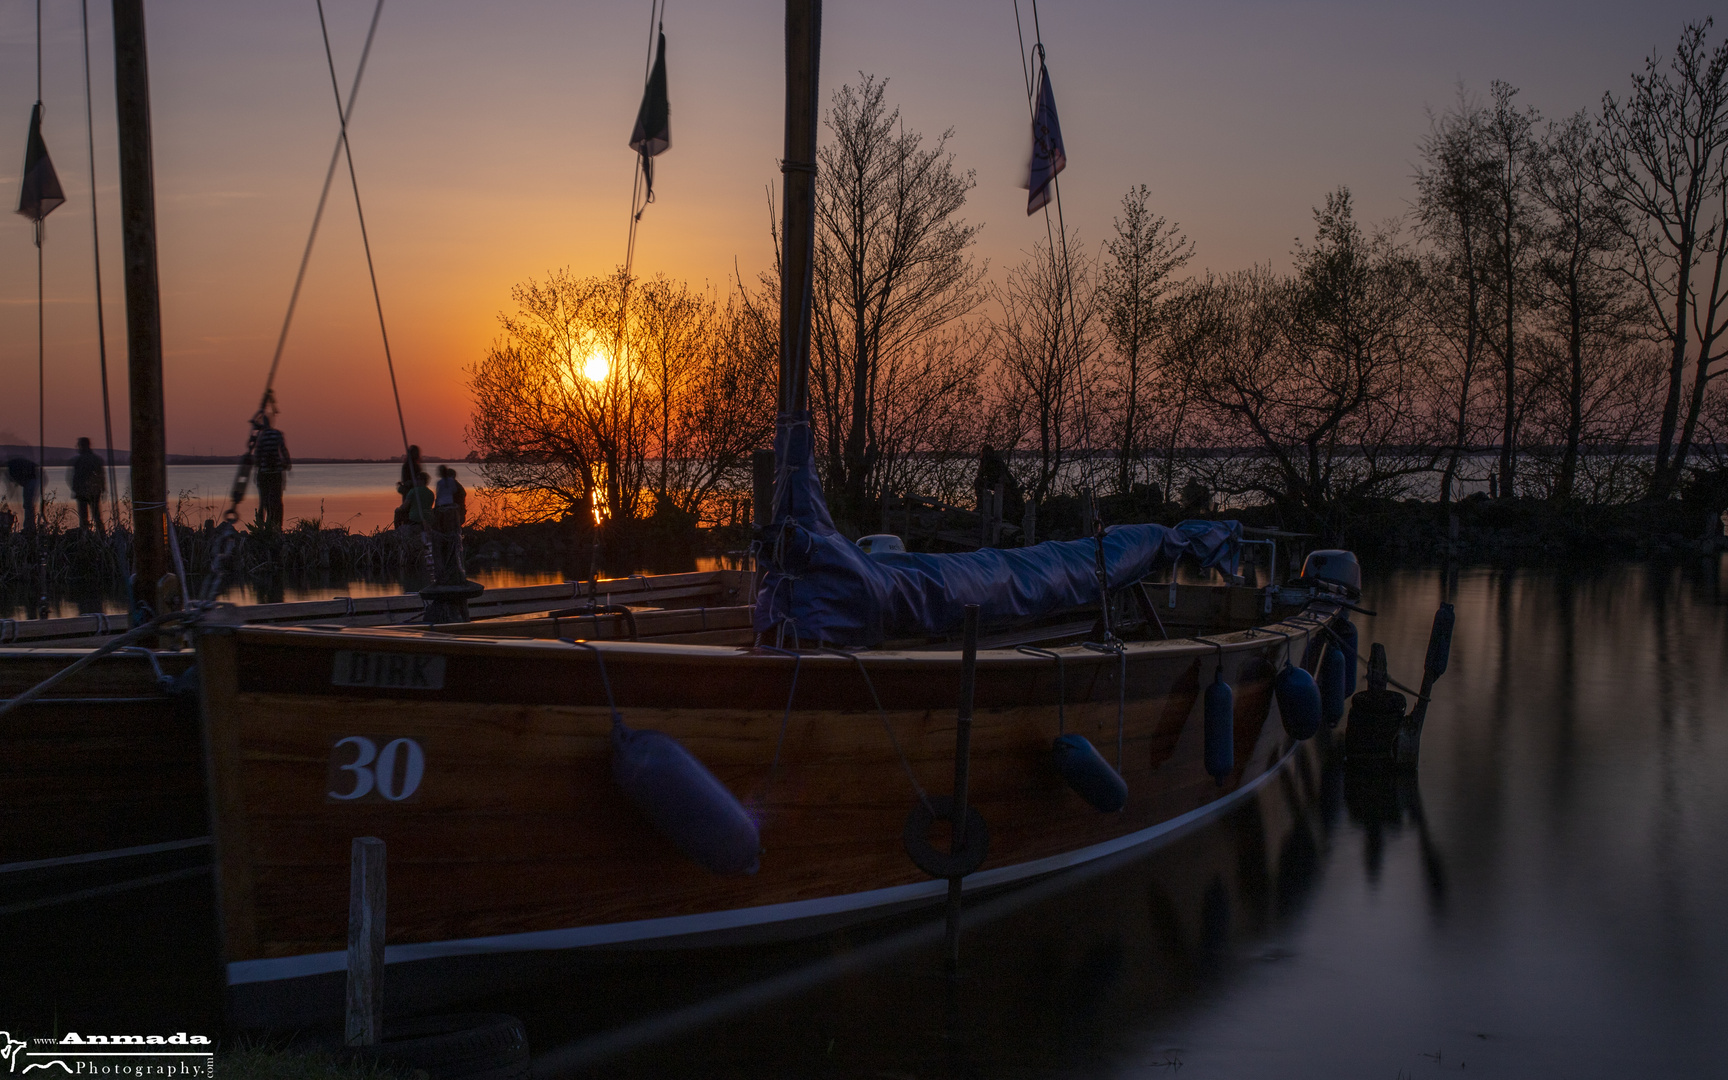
411,469
452,505
270,456
451,508
23,473
421,502
88,486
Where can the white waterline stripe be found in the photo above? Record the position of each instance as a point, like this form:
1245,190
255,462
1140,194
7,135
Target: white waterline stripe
99,856
105,890
290,967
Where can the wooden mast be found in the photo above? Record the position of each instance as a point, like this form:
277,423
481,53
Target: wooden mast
143,306
798,202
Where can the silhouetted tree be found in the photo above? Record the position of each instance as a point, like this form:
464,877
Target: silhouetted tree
1455,215
1584,307
893,265
1045,328
1133,285
1508,131
1665,170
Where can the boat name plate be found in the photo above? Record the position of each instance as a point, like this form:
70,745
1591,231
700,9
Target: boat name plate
394,671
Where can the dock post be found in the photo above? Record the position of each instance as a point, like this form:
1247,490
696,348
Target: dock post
962,773
365,1025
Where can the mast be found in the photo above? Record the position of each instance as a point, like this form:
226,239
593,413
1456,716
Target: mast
798,201
143,306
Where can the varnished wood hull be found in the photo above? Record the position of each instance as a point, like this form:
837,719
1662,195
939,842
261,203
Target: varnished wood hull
517,838
105,761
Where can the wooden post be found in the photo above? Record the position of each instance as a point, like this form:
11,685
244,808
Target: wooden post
996,496
798,202
143,305
1029,524
962,772
762,487
365,942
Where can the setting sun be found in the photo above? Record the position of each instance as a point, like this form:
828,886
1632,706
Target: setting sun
594,369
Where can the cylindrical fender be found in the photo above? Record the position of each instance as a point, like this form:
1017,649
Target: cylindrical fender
1298,702
1089,774
685,801
1220,728
1332,679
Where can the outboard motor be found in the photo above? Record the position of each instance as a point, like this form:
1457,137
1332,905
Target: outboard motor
1331,566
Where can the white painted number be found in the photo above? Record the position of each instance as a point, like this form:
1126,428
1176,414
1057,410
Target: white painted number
395,771
364,752
412,769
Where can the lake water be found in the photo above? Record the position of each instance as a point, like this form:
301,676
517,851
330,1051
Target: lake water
1546,899
361,496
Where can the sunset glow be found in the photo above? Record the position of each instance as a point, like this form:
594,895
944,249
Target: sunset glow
594,368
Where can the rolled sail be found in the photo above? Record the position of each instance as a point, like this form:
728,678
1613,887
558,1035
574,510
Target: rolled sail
824,588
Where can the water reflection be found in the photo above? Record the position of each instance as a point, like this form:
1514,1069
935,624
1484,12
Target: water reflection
1544,899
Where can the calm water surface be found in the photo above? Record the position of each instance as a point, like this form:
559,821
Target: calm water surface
1546,899
1549,898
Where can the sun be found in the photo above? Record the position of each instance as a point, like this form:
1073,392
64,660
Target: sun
595,368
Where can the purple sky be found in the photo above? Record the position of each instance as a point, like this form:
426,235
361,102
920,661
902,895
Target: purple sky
490,144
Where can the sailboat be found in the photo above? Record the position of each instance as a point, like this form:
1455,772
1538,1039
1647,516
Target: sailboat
756,770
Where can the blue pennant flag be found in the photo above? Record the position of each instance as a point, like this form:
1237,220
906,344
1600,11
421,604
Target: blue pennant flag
1048,157
41,192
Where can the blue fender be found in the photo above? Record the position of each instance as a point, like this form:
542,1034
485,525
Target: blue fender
684,801
1346,631
1332,678
1220,728
1089,774
1298,702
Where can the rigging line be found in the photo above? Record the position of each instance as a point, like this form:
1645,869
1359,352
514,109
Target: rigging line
41,380
96,244
656,20
318,215
365,241
1067,266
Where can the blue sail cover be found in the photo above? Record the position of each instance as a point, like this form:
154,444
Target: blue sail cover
823,588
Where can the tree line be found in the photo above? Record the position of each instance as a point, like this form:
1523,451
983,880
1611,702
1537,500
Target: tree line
1550,318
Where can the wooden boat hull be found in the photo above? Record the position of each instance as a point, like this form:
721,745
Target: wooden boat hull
515,837
107,761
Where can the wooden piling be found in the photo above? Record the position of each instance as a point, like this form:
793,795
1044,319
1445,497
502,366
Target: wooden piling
366,896
143,306
962,772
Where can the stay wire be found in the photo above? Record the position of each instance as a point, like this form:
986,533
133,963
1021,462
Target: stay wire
41,552
318,215
365,240
96,244
638,199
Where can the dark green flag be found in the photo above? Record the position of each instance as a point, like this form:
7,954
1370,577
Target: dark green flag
653,132
41,192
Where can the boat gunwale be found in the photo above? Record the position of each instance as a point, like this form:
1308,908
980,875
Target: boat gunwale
1254,637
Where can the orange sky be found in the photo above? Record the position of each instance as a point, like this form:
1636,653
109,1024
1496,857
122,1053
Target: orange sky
490,146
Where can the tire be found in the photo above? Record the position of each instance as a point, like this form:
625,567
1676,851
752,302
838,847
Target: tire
467,1046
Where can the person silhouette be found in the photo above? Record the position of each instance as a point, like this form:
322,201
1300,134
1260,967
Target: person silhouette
88,486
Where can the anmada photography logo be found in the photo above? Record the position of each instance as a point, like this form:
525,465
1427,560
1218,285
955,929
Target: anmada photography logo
176,1055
